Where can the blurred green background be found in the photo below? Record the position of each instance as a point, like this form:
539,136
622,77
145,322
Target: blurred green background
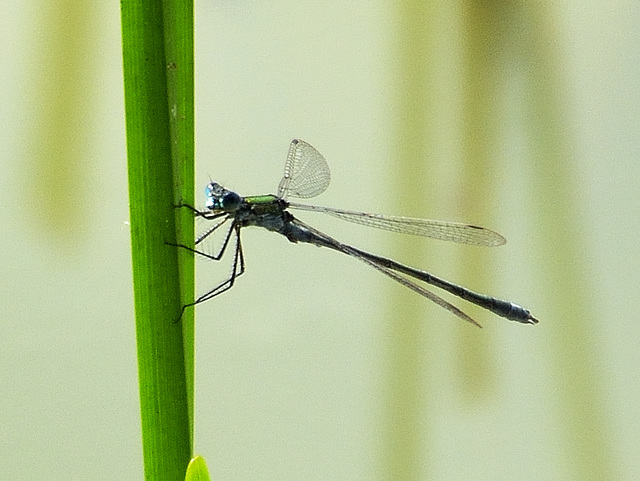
523,117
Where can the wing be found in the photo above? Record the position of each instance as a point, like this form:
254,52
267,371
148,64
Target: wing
306,172
436,229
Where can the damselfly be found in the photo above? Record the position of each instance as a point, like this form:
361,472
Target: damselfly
306,175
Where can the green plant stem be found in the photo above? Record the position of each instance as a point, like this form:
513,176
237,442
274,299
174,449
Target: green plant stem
158,75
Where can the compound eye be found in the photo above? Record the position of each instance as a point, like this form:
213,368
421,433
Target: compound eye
230,201
213,190
212,195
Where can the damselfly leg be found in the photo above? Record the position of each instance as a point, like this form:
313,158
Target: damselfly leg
238,266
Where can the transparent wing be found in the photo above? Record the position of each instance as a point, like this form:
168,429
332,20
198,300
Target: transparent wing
306,173
436,229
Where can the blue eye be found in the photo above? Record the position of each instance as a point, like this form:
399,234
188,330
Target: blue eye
212,195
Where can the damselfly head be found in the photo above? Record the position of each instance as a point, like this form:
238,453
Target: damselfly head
221,199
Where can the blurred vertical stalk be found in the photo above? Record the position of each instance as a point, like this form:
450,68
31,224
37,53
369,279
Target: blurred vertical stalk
482,31
157,39
579,389
57,146
405,392
492,31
